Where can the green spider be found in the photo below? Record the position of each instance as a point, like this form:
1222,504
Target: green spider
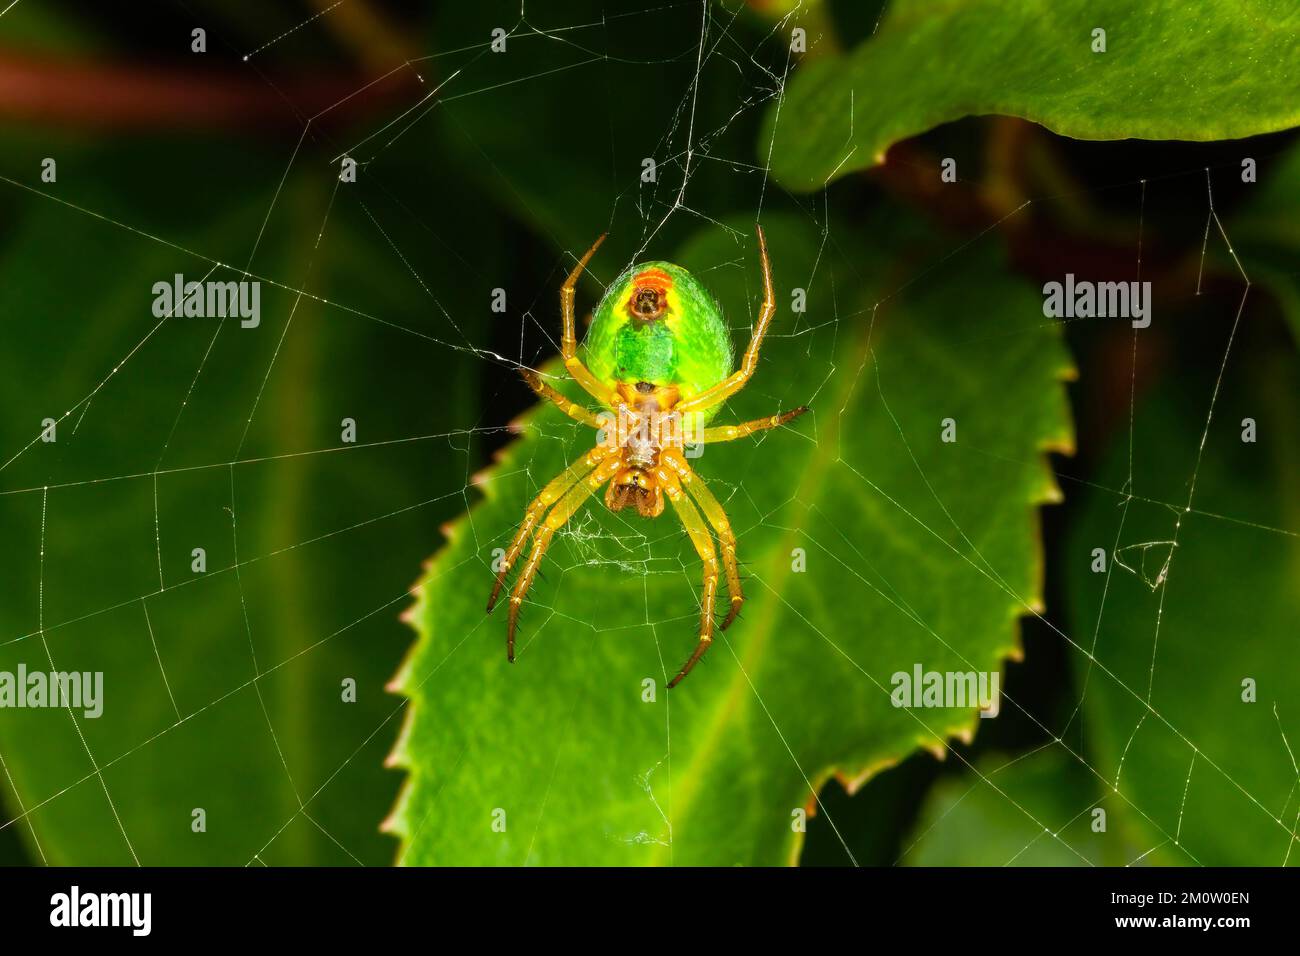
659,358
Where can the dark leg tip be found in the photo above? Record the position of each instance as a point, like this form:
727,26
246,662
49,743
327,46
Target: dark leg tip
731,615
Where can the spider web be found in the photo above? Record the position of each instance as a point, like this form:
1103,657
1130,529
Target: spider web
57,497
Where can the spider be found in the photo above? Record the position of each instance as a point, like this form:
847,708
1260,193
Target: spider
659,358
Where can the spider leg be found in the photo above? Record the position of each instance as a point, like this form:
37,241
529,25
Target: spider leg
732,432
569,339
713,510
561,513
699,535
550,494
736,381
572,409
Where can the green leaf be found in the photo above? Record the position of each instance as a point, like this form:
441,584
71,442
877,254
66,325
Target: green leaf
1032,810
328,542
715,771
1224,72
1184,626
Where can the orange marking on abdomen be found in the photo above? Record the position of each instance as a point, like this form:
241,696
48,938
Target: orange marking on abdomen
655,279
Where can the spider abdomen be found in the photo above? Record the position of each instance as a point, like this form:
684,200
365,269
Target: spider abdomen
658,324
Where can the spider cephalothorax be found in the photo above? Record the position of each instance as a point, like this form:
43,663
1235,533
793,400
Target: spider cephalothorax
659,361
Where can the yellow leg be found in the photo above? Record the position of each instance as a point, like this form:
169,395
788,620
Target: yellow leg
732,432
736,381
572,409
713,510
699,535
554,489
569,339
561,513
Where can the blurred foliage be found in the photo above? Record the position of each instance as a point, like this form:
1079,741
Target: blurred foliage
106,541
1197,774
933,62
1186,624
1034,810
1266,234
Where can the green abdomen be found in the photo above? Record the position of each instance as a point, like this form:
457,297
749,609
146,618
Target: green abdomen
645,352
689,346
